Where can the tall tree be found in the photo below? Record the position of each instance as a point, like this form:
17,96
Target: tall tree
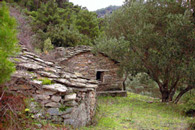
88,24
8,43
156,37
59,24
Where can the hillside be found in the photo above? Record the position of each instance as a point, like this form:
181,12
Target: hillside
25,30
108,10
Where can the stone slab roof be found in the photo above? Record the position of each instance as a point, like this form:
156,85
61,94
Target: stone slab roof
32,67
64,54
69,52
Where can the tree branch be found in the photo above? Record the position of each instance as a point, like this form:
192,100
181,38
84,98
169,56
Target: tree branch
2,95
174,84
183,92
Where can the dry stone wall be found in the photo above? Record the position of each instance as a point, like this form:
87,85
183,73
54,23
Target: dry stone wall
59,96
85,62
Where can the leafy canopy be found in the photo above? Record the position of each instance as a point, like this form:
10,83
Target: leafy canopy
155,37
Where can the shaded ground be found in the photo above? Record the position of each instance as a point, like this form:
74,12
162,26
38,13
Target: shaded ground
137,112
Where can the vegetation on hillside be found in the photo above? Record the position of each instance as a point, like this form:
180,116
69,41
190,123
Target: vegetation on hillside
157,38
8,42
65,25
62,22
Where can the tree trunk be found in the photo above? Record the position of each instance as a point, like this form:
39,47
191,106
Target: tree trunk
124,85
165,96
173,90
182,93
190,4
164,92
171,96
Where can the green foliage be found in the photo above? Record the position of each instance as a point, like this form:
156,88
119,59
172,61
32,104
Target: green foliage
189,103
192,123
155,37
47,45
87,24
61,35
61,21
32,5
27,110
65,24
142,84
45,81
63,108
8,43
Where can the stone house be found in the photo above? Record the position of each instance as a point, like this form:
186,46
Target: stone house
69,95
66,99
99,67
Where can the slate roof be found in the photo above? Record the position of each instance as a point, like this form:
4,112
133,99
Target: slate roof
73,51
31,66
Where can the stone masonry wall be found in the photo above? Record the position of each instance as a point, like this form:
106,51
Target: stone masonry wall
59,96
88,64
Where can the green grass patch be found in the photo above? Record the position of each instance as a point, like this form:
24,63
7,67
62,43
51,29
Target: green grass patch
45,81
137,112
16,60
63,108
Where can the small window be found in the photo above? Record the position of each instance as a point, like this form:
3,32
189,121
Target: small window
99,75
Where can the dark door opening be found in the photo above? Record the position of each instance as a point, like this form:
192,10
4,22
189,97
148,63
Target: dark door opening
99,75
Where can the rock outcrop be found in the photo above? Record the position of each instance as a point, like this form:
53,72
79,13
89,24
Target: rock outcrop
62,97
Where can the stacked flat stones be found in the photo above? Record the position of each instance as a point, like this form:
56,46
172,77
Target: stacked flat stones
71,51
70,99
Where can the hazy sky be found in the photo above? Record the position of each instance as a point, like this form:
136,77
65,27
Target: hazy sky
93,5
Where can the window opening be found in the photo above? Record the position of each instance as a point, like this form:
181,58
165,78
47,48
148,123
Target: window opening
99,75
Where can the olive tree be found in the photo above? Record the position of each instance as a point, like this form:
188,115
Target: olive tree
157,38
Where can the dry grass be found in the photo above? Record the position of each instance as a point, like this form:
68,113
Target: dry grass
25,32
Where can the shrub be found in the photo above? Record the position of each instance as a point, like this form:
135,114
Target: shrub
189,104
8,42
47,45
192,123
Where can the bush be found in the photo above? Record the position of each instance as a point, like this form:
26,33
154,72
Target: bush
189,104
47,45
8,44
192,123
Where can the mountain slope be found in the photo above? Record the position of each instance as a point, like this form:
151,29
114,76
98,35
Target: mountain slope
25,31
108,10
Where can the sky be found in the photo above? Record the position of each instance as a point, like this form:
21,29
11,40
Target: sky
93,5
